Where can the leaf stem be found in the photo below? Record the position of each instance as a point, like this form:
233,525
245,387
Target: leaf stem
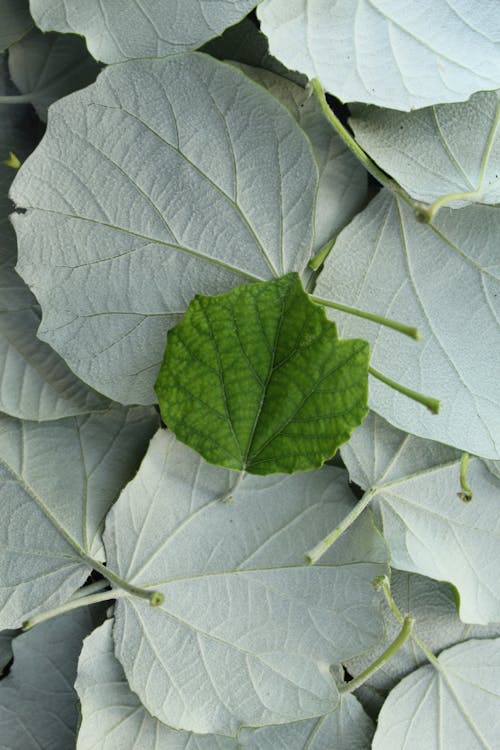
155,598
426,214
410,331
356,149
402,636
321,255
91,588
228,497
16,99
81,601
433,404
466,495
319,550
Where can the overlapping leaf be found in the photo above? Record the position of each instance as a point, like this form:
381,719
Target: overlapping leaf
449,149
46,67
257,379
247,631
15,21
6,637
116,31
37,699
428,528
444,279
57,482
134,213
398,55
456,705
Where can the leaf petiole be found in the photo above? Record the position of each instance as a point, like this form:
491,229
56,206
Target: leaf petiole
155,598
433,404
75,603
466,493
410,331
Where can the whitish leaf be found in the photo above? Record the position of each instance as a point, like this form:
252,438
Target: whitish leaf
6,637
342,188
38,707
428,528
398,55
247,631
432,604
15,21
35,383
46,67
346,728
57,482
449,149
457,705
113,717
494,467
257,379
130,213
116,31
445,280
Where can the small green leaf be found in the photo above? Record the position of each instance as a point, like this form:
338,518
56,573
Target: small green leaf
257,379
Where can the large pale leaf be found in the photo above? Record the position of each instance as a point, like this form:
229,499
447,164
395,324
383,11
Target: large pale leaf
38,708
432,604
342,188
46,67
428,528
15,21
113,717
35,383
457,705
247,631
257,379
57,482
444,279
346,728
161,215
116,31
398,55
443,150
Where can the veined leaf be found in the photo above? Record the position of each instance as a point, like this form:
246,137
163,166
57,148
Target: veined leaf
443,278
37,700
428,528
46,67
116,31
449,149
398,55
457,705
257,379
247,631
161,217
112,715
15,21
57,482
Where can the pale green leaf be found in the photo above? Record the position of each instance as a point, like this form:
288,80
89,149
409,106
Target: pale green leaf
130,212
46,67
449,149
455,706
15,21
57,482
247,632
38,707
433,605
428,528
398,55
445,280
257,380
116,31
112,715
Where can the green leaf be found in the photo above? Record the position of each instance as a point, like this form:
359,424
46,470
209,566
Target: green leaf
15,21
447,149
384,52
444,279
257,379
428,528
46,67
116,32
113,717
247,632
457,705
57,481
432,604
162,216
38,707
